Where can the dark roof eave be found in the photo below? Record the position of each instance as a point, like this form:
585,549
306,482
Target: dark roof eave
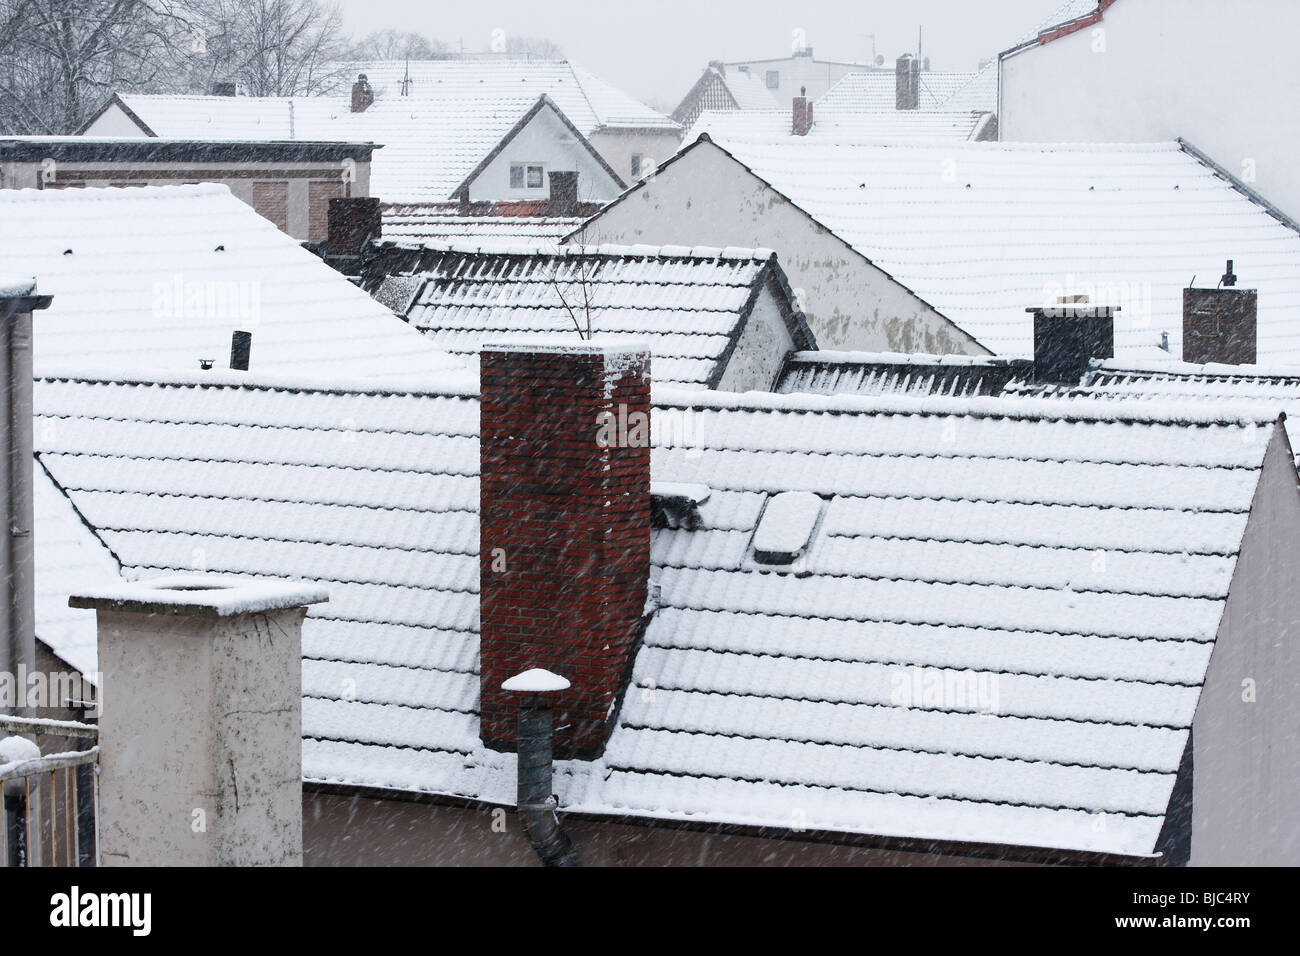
993,852
154,150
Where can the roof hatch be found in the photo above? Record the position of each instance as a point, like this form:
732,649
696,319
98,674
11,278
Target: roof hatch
786,527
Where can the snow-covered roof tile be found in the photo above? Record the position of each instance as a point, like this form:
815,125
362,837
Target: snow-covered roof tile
982,231
690,304
885,373
999,633
160,276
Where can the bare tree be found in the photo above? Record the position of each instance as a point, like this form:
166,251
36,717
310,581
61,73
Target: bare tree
539,47
395,45
59,59
268,47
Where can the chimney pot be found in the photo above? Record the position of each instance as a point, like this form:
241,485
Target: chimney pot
564,531
241,346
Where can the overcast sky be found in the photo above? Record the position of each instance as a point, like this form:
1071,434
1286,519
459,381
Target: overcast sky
656,50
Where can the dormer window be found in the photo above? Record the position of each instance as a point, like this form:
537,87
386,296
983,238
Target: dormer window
786,528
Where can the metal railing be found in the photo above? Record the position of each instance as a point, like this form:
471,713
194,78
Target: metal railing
51,802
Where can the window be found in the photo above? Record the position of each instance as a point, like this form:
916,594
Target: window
786,526
773,79
636,165
526,176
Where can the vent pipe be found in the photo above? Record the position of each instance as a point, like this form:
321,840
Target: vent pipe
241,346
535,802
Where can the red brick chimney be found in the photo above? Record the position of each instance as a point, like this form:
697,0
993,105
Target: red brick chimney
564,560
802,120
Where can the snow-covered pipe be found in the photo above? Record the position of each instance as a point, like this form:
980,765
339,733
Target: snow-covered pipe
536,804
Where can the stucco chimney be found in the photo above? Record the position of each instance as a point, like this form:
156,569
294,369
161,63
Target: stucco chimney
200,731
802,119
907,83
362,94
1069,335
1220,325
564,510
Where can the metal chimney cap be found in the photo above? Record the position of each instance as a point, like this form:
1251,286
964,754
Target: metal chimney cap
535,681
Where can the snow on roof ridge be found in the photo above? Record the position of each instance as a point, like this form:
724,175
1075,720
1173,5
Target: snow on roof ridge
451,383
849,356
1191,369
611,249
1246,412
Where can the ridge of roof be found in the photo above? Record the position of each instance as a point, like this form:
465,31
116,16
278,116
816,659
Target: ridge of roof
610,250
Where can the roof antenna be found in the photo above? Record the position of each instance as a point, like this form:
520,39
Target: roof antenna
406,80
1229,279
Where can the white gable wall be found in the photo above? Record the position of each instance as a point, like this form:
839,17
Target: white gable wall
1245,758
760,352
114,122
617,145
1214,75
548,141
707,198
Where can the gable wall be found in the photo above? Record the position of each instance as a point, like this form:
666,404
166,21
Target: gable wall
760,352
1170,68
548,141
114,122
1246,756
707,198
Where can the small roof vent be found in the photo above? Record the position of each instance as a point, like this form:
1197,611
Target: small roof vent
786,527
676,506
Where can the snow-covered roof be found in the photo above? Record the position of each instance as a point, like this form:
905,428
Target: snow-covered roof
1201,385
982,231
689,304
999,633
876,91
588,101
829,372
162,275
833,126
430,144
435,223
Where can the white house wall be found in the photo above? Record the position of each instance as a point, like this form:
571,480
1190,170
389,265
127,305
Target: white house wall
545,140
114,122
618,145
1219,76
1245,761
760,352
707,198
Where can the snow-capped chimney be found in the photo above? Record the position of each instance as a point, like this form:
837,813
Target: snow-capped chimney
802,120
1068,335
907,83
564,193
362,94
1220,325
564,519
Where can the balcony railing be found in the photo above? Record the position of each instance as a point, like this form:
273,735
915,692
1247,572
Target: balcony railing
51,802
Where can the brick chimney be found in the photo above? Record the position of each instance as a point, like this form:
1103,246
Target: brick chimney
564,193
352,221
564,558
362,94
802,120
907,83
1220,325
1067,336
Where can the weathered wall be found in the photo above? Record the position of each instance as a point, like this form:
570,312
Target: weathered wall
1218,75
760,353
707,198
1246,756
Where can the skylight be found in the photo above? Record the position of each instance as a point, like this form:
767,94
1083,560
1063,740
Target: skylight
786,528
